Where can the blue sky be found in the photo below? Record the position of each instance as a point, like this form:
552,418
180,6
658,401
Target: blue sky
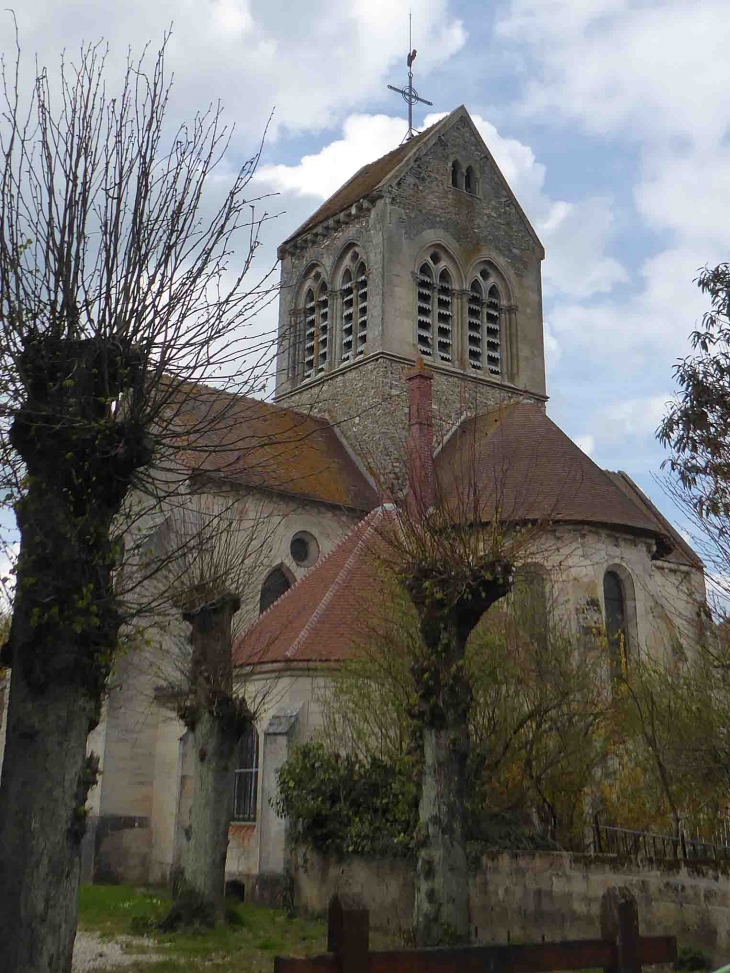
609,118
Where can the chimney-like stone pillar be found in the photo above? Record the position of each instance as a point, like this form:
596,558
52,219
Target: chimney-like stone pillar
421,476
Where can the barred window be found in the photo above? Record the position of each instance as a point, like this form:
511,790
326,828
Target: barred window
434,311
246,776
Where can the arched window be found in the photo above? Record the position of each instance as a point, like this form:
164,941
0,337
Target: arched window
494,337
246,776
616,629
316,326
434,314
530,604
470,180
274,586
424,310
457,175
475,324
354,309
444,315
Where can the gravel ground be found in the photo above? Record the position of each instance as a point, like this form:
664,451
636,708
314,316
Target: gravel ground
91,952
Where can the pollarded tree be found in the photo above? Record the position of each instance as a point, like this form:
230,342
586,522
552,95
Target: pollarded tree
118,287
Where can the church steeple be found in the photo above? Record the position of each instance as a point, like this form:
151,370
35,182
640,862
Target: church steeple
424,252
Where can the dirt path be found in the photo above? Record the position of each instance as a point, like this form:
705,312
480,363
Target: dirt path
91,952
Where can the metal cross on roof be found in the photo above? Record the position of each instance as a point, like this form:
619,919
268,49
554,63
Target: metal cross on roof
409,93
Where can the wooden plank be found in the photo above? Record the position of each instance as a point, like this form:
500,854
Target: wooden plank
658,949
533,958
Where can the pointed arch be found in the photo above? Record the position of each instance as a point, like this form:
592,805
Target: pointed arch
354,321
444,316
457,175
246,776
475,325
276,583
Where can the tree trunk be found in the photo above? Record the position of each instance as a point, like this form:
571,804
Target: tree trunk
79,464
206,834
42,795
448,613
442,890
216,721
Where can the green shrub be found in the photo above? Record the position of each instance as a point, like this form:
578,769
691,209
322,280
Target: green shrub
690,958
339,804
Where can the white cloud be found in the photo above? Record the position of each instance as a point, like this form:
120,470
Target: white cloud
311,61
575,234
587,443
635,418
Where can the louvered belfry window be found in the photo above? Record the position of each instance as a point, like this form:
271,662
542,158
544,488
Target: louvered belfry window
444,316
316,330
494,338
475,333
354,310
424,314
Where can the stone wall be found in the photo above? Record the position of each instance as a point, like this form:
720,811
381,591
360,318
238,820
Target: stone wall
525,897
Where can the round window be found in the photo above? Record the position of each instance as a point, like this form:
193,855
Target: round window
304,549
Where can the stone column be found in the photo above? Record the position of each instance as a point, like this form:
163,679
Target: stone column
278,738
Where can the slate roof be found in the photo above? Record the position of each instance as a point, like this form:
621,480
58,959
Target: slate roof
256,444
526,468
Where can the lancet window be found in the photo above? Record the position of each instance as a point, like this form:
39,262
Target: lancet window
616,628
484,338
246,776
316,329
434,311
354,309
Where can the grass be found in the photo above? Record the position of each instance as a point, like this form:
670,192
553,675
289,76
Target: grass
248,942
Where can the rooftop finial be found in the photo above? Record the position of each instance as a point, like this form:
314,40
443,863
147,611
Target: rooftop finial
409,93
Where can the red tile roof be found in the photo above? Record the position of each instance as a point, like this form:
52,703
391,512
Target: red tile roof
318,619
257,444
516,462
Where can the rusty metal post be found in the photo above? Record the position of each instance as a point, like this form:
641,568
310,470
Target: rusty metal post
348,933
620,924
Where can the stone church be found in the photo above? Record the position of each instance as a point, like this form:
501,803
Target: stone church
422,256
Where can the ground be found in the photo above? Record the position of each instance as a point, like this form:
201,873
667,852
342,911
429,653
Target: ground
114,931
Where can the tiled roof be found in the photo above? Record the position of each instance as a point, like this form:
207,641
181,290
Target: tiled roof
526,468
361,184
258,444
317,620
683,552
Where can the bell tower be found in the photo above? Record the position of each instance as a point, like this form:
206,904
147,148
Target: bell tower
423,253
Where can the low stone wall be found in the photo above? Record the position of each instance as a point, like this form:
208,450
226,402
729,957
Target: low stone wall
527,897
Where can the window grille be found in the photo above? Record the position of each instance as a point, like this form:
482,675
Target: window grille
494,342
246,776
424,299
444,316
474,324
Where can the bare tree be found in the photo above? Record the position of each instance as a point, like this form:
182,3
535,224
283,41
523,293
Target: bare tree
118,288
211,548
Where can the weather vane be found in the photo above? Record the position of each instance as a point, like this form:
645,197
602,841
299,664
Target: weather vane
409,93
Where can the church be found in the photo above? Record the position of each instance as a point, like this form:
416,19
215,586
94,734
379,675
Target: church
410,324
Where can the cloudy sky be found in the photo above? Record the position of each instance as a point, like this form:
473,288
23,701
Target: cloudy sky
609,119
